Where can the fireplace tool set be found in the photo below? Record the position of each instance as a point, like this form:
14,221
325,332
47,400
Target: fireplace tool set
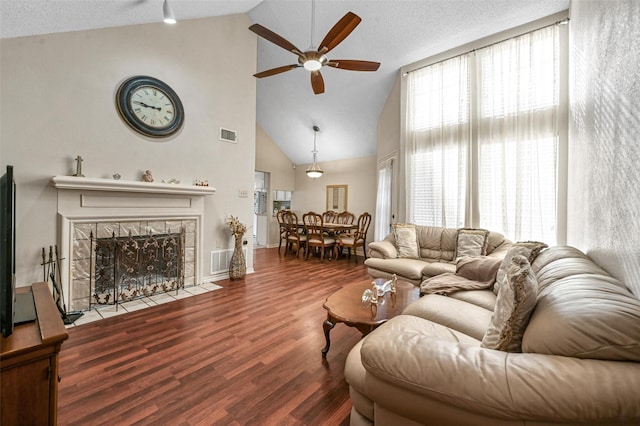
51,271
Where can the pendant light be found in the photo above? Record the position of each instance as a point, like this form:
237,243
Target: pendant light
167,13
315,171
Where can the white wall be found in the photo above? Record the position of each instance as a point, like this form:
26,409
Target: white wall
604,135
58,102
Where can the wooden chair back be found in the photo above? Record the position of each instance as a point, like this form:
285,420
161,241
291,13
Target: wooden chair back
313,225
282,227
346,218
364,220
329,216
294,236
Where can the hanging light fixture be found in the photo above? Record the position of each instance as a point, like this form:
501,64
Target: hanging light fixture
167,13
315,171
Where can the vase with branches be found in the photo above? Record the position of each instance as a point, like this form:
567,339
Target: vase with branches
238,264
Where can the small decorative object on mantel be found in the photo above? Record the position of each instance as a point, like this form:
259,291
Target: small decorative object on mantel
116,176
199,182
238,264
173,181
78,172
147,176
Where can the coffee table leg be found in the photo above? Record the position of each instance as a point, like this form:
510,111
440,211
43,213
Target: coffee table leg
327,325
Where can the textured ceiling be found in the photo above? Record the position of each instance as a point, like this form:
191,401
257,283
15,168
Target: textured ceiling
393,32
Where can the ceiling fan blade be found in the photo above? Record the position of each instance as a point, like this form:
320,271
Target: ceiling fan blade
317,82
274,38
339,32
274,71
347,64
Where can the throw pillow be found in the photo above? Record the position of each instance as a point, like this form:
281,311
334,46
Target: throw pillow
471,242
406,240
528,249
514,305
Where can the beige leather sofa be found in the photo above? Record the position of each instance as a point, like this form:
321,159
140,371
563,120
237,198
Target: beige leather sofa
437,247
580,362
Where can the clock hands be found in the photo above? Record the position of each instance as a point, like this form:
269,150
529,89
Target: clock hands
147,106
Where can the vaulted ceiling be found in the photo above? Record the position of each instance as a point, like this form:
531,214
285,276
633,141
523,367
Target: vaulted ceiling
392,32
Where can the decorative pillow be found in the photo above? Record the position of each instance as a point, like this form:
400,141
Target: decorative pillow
482,269
471,242
528,249
406,240
514,305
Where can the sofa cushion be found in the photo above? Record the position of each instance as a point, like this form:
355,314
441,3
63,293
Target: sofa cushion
403,267
452,313
528,249
483,298
471,242
585,316
514,305
406,240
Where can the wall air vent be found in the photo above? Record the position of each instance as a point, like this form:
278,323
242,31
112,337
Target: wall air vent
228,135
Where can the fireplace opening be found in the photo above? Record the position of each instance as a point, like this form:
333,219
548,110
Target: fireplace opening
126,268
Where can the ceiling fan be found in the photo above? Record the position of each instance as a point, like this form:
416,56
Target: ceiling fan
314,59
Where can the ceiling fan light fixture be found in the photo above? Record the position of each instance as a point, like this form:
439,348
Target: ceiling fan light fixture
314,171
167,13
312,64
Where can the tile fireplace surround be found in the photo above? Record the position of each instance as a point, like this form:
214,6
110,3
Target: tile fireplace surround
108,207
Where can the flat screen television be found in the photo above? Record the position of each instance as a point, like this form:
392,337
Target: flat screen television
8,249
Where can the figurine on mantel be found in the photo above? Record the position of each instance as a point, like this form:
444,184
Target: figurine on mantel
78,172
147,177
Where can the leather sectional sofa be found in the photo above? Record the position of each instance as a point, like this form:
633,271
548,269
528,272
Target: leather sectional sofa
436,254
580,359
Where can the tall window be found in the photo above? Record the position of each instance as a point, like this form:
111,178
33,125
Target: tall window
383,199
511,153
518,135
438,143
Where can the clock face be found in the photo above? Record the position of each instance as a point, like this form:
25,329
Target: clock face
150,106
153,107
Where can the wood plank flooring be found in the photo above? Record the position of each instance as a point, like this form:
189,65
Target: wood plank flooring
247,354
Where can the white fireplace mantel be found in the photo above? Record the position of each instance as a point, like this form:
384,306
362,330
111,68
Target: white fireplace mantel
97,184
83,200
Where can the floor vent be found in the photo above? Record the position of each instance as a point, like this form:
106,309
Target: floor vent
220,260
228,135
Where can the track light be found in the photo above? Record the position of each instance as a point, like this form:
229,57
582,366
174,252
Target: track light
167,13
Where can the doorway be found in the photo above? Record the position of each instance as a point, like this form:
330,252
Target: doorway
260,211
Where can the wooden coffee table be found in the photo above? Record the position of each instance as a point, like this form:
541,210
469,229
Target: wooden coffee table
345,305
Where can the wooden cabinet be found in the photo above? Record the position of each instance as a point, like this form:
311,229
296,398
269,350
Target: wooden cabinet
29,365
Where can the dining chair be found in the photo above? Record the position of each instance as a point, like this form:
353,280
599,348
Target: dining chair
316,237
353,240
329,216
345,217
282,229
294,235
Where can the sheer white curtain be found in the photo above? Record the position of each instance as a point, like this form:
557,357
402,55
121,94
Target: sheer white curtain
518,105
383,199
437,143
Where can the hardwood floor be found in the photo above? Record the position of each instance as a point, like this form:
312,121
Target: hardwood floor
247,354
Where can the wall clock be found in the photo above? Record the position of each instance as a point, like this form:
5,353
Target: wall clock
149,106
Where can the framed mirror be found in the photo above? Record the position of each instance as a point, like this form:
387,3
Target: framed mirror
337,197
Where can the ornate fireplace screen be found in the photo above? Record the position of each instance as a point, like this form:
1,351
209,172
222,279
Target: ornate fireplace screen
135,266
